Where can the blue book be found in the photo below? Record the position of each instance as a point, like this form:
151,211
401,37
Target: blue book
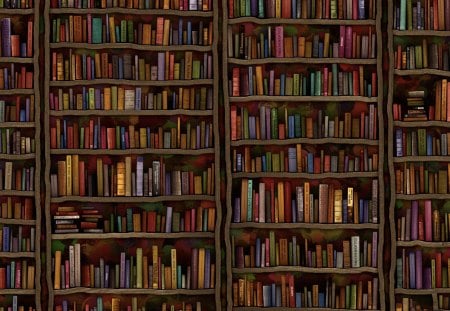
120,68
361,10
361,211
64,135
291,127
207,267
237,210
310,159
321,300
429,145
117,30
180,31
6,239
344,211
189,32
293,8
250,81
252,127
266,46
263,163
27,109
412,270
273,295
5,74
298,300
15,303
320,50
65,305
258,253
149,131
278,296
282,83
23,49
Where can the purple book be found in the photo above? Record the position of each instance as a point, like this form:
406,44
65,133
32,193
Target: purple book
374,249
418,269
237,210
427,278
428,226
6,37
414,219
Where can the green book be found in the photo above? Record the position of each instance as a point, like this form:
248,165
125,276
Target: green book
96,30
195,69
245,123
312,84
334,74
117,276
130,31
175,222
272,254
422,142
4,150
409,14
297,125
418,57
123,31
318,84
402,14
347,296
247,7
433,273
353,297
243,9
261,13
274,122
333,9
81,137
111,223
276,162
138,267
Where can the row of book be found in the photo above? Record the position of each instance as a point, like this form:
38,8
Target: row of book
419,56
422,15
296,161
17,274
418,270
255,80
104,65
17,239
272,252
274,123
120,179
12,142
420,177
94,135
15,45
182,5
110,29
16,77
417,110
90,220
16,208
275,202
136,271
273,42
421,222
15,176
119,98
116,305
409,303
21,109
360,295
320,9
16,4
420,142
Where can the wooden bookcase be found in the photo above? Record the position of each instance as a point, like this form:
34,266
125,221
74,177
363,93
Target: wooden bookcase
198,204
20,199
410,204
243,272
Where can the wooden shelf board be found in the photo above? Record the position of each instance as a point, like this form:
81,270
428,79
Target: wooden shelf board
436,33
423,244
282,269
121,113
14,291
414,124
131,82
18,60
421,159
423,196
17,254
17,193
403,291
147,151
256,225
133,291
124,199
299,21
17,92
312,141
5,11
284,308
133,46
155,12
133,235
425,71
17,124
303,60
306,176
238,99
17,157
9,221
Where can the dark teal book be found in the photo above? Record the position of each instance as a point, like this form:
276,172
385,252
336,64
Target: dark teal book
96,30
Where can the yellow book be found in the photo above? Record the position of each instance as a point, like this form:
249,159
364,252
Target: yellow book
121,178
120,99
112,32
128,176
326,44
259,81
99,177
68,175
173,257
75,175
57,279
91,98
197,184
147,34
142,138
444,100
155,276
166,32
277,8
201,268
107,98
30,277
338,205
280,188
139,267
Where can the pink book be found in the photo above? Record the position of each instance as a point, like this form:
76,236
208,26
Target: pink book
428,226
341,41
419,269
279,41
89,28
271,82
354,9
325,81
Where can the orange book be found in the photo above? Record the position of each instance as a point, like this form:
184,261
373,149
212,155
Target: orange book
57,275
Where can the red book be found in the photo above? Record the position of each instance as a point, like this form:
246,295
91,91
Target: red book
54,66
281,131
435,15
230,9
89,67
85,276
428,221
151,221
2,277
18,273
28,79
354,9
291,291
53,138
187,221
341,50
30,39
15,45
348,45
374,84
327,163
69,137
317,165
89,27
193,219
91,134
285,9
28,209
356,83
438,270
287,202
103,137
111,138
327,16
81,177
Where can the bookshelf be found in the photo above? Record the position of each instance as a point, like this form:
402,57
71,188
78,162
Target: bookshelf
417,155
131,96
20,157
293,139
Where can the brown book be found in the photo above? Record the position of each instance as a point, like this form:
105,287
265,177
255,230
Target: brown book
284,253
346,253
